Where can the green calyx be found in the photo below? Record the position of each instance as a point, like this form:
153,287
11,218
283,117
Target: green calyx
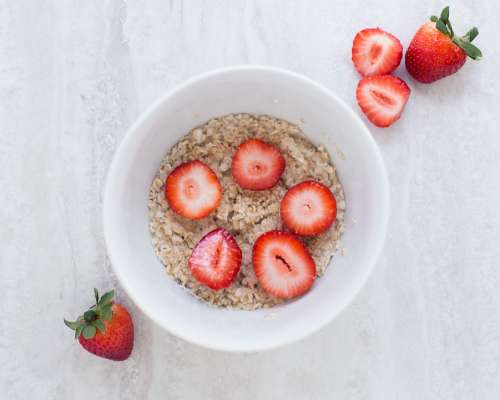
443,25
93,319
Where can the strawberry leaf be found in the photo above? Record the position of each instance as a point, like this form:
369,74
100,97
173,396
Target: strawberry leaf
106,313
99,325
434,18
440,25
471,35
72,324
89,331
445,14
448,24
78,331
471,50
107,298
96,295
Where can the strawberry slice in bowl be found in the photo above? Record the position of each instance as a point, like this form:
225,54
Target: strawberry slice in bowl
376,52
257,165
308,208
216,259
283,265
193,190
382,98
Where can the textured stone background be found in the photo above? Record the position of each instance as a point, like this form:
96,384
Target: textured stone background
75,74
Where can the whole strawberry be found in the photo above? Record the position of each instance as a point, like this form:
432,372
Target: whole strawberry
435,51
105,329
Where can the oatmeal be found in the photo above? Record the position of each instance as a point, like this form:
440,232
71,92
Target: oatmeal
246,214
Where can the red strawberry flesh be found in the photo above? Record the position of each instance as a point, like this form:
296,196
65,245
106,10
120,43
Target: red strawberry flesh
216,259
257,165
376,52
382,98
193,190
308,208
282,265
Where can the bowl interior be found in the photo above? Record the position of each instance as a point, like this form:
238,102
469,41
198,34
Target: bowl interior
282,94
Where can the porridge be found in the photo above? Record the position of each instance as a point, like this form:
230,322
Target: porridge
246,214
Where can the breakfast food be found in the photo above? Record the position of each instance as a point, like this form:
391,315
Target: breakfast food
308,208
382,98
282,264
257,165
193,190
106,329
245,214
216,259
436,52
376,52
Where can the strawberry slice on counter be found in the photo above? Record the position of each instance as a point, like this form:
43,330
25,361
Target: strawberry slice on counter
382,98
376,52
282,265
193,190
308,208
257,165
216,259
436,51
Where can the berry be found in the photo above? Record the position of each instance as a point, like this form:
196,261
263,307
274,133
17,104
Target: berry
257,165
382,98
193,190
308,208
282,265
436,52
376,52
216,259
106,329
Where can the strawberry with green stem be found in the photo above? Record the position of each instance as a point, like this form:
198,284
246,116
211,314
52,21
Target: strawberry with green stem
436,51
106,329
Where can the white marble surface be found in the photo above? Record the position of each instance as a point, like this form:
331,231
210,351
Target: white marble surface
75,74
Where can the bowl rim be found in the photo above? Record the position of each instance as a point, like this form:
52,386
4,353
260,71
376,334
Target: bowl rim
128,138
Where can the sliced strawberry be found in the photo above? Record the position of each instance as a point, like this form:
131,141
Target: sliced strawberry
283,265
376,52
193,190
257,165
216,259
308,208
382,98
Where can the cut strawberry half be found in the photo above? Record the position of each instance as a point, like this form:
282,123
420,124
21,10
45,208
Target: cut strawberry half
216,259
257,165
382,98
308,208
193,190
282,265
376,52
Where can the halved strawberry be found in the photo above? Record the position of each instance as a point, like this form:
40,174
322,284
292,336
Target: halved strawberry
216,259
308,208
193,190
382,98
282,264
376,52
257,165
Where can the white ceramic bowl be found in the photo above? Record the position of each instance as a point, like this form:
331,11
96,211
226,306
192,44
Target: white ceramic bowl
258,90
